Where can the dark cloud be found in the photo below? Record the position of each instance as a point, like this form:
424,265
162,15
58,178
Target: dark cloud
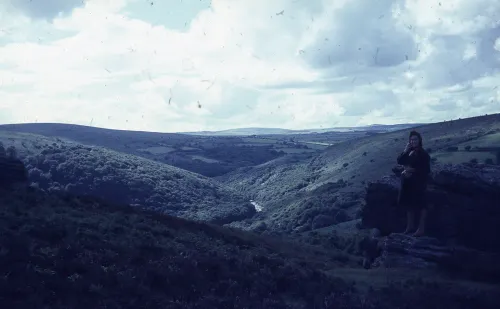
448,65
363,34
46,9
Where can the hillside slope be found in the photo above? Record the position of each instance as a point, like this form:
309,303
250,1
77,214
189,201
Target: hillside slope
205,155
61,166
71,252
326,189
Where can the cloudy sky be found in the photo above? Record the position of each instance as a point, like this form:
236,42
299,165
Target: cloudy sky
186,65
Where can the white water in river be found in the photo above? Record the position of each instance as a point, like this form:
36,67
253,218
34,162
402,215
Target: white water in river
258,208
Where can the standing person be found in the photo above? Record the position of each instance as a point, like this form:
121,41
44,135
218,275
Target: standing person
416,162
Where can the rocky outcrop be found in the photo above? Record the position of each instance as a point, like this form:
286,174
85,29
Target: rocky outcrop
462,229
399,250
464,206
403,251
12,172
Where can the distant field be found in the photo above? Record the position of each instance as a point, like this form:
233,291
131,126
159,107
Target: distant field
286,144
158,150
293,150
255,144
459,157
204,159
317,145
255,140
490,140
467,151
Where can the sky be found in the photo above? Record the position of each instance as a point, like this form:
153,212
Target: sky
194,65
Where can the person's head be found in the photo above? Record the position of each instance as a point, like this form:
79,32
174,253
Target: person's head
415,139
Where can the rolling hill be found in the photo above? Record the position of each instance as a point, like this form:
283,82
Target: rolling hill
56,165
211,153
206,155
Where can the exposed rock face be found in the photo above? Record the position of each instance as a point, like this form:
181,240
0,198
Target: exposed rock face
12,171
399,250
463,223
402,250
464,202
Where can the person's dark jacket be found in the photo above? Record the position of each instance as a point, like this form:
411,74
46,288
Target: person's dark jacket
420,160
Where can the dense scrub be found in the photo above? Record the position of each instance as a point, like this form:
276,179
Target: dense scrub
63,251
122,178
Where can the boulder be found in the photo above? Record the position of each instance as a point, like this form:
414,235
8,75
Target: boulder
464,206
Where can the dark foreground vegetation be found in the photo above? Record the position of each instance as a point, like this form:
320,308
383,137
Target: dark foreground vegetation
62,251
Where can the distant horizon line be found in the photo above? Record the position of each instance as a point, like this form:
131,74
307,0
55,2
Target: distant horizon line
215,131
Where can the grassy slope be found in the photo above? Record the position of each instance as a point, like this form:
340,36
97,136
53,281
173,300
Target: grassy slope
293,193
68,252
57,165
382,150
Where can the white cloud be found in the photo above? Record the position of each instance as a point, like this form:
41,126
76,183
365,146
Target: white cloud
291,64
